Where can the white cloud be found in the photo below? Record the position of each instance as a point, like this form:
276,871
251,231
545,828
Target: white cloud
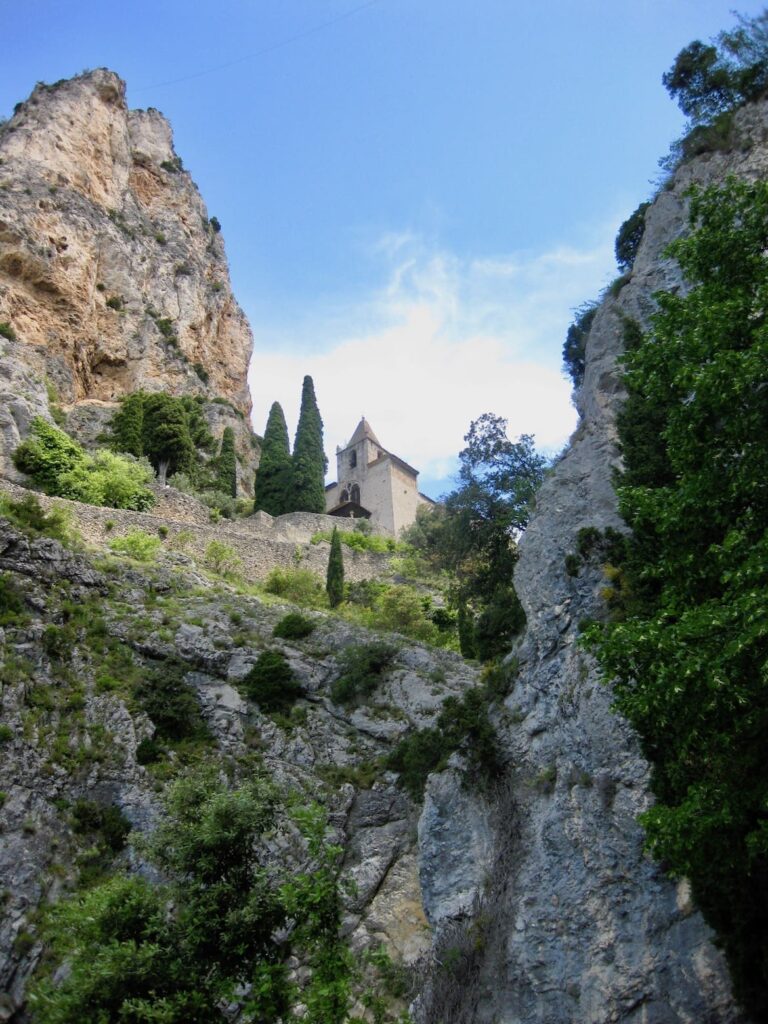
442,342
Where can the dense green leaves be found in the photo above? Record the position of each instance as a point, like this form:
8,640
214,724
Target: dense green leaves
334,580
171,432
226,465
473,536
61,466
690,656
273,477
309,462
217,931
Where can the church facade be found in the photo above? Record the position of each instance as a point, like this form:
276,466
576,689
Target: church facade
372,483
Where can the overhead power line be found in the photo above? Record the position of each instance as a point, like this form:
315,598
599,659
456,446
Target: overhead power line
267,49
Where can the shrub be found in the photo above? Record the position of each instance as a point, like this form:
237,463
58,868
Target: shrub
115,302
6,331
272,683
28,515
362,667
402,610
359,540
575,347
294,626
171,704
148,751
629,237
297,585
108,821
222,558
6,733
12,608
137,544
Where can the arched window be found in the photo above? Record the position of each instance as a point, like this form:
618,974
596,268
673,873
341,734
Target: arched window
344,497
355,494
353,460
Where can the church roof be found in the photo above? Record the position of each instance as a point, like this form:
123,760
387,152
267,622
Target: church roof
363,431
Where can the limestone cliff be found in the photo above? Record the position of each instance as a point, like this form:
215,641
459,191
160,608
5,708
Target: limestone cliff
112,276
572,921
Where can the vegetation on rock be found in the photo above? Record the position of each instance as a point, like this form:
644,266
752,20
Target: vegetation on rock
60,466
226,466
689,651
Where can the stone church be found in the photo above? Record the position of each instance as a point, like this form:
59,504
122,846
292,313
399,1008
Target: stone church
374,484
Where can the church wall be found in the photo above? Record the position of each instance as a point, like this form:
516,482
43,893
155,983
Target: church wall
405,499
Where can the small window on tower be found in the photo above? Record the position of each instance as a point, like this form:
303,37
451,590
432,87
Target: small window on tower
353,460
355,494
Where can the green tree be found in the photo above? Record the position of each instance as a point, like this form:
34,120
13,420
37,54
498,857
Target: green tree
575,345
334,580
309,461
226,467
47,454
167,439
219,928
689,653
273,487
127,425
628,239
474,535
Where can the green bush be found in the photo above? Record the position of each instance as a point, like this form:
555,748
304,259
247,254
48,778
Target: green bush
28,515
89,817
629,237
6,331
463,726
222,558
148,751
299,586
137,544
6,733
362,667
575,346
171,704
12,607
360,541
294,626
59,465
272,683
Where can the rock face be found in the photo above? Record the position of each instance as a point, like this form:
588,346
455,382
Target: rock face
112,276
575,922
71,727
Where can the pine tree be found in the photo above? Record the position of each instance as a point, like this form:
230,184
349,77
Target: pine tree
226,470
309,462
334,581
273,477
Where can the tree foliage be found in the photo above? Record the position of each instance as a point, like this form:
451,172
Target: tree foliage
690,650
217,931
473,536
309,462
171,432
629,237
226,465
334,580
709,79
575,345
274,476
61,466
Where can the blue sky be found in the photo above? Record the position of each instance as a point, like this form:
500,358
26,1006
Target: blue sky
414,194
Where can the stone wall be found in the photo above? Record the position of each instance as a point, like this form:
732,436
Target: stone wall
260,542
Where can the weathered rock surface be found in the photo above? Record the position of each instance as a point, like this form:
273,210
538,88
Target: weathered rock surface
572,921
74,732
112,276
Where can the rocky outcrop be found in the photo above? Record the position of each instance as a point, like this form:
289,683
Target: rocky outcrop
112,276
71,728
571,920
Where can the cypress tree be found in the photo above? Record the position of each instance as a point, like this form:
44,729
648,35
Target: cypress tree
309,462
167,440
334,580
226,470
127,425
273,477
